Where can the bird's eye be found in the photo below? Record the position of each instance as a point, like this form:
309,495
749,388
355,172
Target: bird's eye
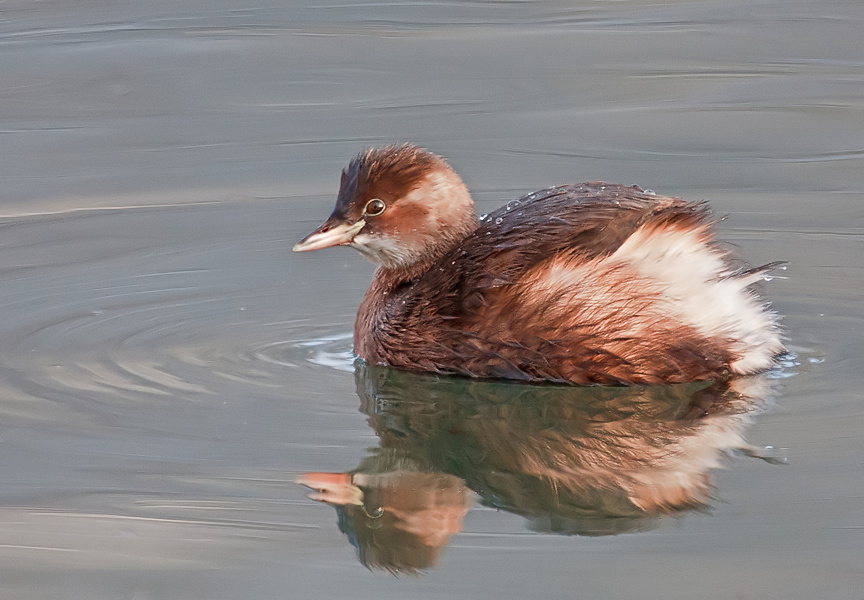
374,207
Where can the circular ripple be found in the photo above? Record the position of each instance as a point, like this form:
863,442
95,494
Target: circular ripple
793,362
331,351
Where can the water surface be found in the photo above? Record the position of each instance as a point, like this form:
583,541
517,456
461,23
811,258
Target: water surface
169,368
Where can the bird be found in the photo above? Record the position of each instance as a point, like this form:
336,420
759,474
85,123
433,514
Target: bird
591,283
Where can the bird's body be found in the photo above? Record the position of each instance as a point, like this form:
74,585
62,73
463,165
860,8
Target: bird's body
590,283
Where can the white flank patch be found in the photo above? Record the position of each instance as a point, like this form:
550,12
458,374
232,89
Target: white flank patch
697,289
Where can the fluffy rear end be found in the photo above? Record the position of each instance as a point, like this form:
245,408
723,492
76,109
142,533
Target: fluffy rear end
697,287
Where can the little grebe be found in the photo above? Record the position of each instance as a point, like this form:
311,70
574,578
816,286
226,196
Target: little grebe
588,283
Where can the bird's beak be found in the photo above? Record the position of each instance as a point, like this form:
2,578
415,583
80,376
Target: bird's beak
333,488
330,234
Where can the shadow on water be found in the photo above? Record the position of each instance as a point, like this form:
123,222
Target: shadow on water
574,461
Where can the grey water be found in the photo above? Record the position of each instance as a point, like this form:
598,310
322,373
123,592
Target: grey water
168,369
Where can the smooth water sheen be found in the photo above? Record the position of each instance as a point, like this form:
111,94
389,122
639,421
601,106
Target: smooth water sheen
168,368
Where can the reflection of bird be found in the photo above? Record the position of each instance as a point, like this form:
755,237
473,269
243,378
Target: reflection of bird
589,461
590,283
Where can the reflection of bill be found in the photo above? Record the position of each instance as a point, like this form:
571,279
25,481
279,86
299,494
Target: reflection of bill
589,461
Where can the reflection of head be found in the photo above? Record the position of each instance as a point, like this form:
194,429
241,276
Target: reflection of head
397,516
